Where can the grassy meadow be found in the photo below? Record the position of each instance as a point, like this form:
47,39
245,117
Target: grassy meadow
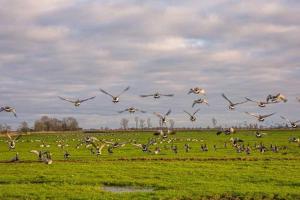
216,174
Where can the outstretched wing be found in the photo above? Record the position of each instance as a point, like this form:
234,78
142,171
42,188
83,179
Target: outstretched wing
286,119
158,115
167,95
224,96
64,99
252,114
240,102
196,111
265,116
123,91
9,137
248,99
169,111
187,113
103,91
121,111
18,137
35,152
14,112
1,109
83,100
147,95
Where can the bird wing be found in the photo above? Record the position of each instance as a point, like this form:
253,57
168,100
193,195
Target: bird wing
248,99
187,113
281,97
252,114
240,103
103,91
1,109
14,112
142,111
196,111
137,145
18,137
286,119
123,110
297,121
83,100
265,116
158,115
35,152
64,99
223,95
167,95
169,111
9,137
123,91
147,95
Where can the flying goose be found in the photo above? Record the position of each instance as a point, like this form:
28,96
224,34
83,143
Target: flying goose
163,118
259,134
200,101
276,98
144,147
44,156
292,123
226,131
260,118
157,95
197,90
115,99
261,104
9,109
231,104
192,116
132,110
12,141
76,102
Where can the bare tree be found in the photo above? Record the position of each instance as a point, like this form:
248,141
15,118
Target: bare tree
149,125
136,119
23,127
124,123
142,123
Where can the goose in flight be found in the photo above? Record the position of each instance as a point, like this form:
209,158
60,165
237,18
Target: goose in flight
9,109
260,118
12,141
276,98
197,90
76,102
44,156
157,95
115,99
192,116
163,118
261,104
226,131
200,101
132,110
231,104
259,134
292,123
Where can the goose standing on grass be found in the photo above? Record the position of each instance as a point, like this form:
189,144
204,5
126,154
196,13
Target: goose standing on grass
197,90
9,109
192,116
261,104
163,118
115,99
260,118
292,123
76,102
231,104
200,101
276,98
132,110
157,95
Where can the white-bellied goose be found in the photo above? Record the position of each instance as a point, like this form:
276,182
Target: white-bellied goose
192,116
260,118
276,98
197,90
200,101
157,95
9,109
115,99
132,110
76,102
292,123
163,118
231,104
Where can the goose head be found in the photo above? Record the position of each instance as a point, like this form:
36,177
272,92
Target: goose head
115,99
193,118
156,95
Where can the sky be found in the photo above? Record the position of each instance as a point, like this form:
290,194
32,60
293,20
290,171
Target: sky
71,48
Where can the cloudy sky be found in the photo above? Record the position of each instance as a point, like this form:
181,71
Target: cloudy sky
71,48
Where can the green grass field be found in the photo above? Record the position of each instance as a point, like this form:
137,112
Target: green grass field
220,174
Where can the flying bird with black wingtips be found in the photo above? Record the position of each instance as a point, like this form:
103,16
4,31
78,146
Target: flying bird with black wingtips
157,95
192,116
261,104
115,99
132,110
9,109
163,118
292,123
260,118
76,102
231,104
200,101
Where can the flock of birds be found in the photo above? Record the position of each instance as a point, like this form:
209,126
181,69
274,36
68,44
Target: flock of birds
95,145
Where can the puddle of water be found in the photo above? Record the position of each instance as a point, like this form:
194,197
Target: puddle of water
121,189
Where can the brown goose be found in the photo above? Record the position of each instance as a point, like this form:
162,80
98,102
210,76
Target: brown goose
197,90
276,98
260,118
115,99
132,110
76,102
292,123
200,101
261,104
163,118
192,116
157,95
231,104
9,109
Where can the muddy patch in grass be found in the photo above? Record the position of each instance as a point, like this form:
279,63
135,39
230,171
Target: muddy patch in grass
123,189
